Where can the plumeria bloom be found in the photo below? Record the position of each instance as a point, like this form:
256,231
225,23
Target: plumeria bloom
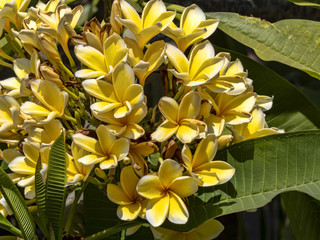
52,101
193,28
24,165
12,11
127,126
256,128
201,165
155,18
76,171
106,151
137,153
101,64
144,64
201,66
9,114
206,231
120,97
165,192
130,202
180,119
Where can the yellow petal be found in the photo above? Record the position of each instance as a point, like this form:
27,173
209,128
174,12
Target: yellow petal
157,210
117,195
122,78
187,132
199,54
215,124
100,89
129,181
183,186
32,108
91,57
22,165
258,121
264,132
123,110
169,109
150,187
31,151
152,11
105,137
191,18
185,41
103,107
135,53
177,58
190,106
130,13
137,114
88,143
91,159
168,171
243,102
21,67
113,51
88,73
129,24
165,19
10,154
109,163
237,117
134,95
129,212
178,212
209,229
187,157
164,131
205,151
120,148
147,33
133,131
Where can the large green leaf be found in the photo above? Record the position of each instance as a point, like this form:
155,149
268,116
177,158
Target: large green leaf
304,214
293,42
312,3
264,167
56,181
18,206
291,111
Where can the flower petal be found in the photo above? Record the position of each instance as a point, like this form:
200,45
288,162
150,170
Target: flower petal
130,13
190,106
134,95
115,51
90,159
147,33
129,212
183,186
205,151
109,163
129,181
151,12
91,57
22,165
191,17
169,109
209,229
117,195
168,171
157,210
150,187
105,137
120,148
164,131
88,143
122,78
187,132
178,212
100,89
177,58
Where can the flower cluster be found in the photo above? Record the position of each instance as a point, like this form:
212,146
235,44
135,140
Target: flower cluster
98,99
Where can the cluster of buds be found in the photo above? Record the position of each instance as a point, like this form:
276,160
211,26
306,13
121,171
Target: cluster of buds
98,99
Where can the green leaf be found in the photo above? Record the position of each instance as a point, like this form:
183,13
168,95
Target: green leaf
56,181
292,110
314,3
18,206
293,42
5,224
8,238
41,200
264,168
304,214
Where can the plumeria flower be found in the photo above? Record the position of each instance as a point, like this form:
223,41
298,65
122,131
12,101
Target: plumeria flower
52,101
201,165
201,66
76,171
145,63
106,151
256,128
127,126
12,11
101,64
120,97
193,28
206,231
180,119
155,18
24,165
125,194
137,153
165,192
9,117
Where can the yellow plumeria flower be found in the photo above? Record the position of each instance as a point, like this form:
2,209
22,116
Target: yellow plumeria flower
256,128
52,101
136,154
165,192
201,165
24,165
231,80
120,97
76,171
101,64
127,126
144,64
107,150
155,18
206,231
201,66
180,119
193,28
126,195
12,11
9,114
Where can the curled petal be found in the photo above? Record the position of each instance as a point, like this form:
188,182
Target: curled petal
129,212
169,109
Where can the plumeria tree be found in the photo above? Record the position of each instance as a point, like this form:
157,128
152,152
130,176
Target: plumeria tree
138,127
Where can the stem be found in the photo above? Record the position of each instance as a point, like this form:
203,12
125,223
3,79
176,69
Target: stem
73,208
174,7
75,97
6,56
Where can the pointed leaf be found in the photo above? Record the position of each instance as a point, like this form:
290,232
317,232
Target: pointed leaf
310,3
6,225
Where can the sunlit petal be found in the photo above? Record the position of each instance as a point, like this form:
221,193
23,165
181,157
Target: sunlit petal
178,212
150,187
183,186
157,210
164,131
117,195
206,150
129,212
168,171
